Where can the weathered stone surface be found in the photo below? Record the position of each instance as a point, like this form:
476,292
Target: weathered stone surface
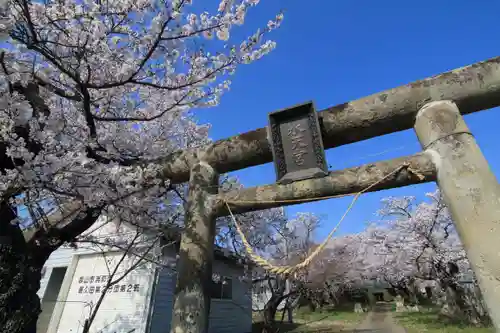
400,304
194,268
340,182
470,190
297,145
473,88
358,308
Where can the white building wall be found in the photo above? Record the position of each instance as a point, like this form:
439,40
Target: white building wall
123,311
85,261
63,256
60,258
124,307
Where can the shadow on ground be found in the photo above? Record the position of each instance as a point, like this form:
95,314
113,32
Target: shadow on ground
362,330
372,324
283,327
296,329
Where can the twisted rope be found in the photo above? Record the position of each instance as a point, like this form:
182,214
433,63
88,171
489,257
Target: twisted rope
291,269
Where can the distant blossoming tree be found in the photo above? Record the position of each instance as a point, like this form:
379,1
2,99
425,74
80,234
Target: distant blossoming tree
417,246
93,94
287,242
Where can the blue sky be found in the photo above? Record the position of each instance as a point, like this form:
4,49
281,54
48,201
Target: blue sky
336,51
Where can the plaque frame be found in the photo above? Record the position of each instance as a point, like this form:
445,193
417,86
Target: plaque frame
297,112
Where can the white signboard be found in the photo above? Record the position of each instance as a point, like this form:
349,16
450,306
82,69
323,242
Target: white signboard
124,306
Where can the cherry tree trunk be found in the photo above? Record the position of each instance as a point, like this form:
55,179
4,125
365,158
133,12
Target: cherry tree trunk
20,275
279,294
289,312
288,309
270,310
458,306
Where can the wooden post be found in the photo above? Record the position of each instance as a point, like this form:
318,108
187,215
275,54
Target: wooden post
470,190
194,267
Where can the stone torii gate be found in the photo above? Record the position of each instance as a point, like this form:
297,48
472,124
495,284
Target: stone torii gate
450,156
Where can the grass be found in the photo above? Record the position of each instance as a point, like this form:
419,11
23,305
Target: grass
429,322
347,317
306,321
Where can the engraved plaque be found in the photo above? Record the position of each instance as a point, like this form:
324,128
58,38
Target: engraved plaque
296,144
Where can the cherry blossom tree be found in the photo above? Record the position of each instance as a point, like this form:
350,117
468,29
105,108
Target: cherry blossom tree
93,95
337,269
288,242
415,246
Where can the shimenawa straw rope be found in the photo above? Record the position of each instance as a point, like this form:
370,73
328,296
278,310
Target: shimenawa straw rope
285,270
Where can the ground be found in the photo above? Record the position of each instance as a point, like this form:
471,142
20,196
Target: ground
316,322
380,320
428,322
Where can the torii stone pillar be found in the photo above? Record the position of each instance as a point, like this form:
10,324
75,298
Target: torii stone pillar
470,190
194,267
